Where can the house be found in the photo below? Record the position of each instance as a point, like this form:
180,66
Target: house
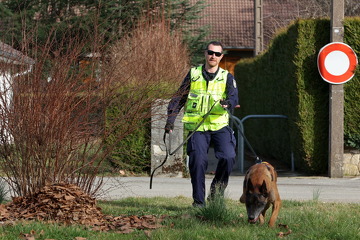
12,56
233,22
13,63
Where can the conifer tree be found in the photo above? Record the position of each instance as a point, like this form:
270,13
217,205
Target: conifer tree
112,19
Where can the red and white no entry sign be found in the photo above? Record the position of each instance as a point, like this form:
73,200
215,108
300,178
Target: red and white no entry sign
337,62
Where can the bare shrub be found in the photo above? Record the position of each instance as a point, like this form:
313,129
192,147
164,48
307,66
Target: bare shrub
52,123
151,62
47,133
151,55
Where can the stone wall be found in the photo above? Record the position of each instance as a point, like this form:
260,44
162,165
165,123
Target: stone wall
351,164
173,166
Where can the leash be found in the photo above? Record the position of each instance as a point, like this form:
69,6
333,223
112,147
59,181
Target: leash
188,137
257,158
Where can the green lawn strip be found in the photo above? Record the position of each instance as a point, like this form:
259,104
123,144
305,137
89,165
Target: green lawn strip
305,219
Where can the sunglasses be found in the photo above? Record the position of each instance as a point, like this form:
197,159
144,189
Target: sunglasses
218,54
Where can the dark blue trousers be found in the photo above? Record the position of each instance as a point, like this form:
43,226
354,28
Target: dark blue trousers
224,143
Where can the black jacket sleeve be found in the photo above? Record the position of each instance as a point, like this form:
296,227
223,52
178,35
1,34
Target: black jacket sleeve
232,91
179,99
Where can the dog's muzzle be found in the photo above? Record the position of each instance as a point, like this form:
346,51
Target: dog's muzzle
252,220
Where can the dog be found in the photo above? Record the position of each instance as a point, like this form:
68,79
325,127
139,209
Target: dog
259,192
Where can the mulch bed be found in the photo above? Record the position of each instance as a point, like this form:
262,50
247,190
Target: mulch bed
68,204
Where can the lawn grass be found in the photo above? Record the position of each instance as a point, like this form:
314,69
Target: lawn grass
306,219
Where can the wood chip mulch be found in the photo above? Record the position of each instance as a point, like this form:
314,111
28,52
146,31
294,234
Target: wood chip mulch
68,204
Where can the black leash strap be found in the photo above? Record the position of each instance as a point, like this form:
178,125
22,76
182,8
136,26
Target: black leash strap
257,159
173,152
166,157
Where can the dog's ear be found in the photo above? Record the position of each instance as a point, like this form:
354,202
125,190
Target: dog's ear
263,188
250,186
245,183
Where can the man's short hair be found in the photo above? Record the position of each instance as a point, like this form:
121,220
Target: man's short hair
215,43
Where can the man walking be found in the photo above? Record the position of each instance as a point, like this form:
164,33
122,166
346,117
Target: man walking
207,91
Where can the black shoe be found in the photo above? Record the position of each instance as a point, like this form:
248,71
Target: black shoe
198,205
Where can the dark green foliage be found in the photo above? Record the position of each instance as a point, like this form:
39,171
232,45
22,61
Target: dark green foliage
285,80
128,135
352,88
352,140
186,14
33,21
68,18
132,153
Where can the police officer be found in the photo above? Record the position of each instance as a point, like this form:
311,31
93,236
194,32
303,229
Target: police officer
207,88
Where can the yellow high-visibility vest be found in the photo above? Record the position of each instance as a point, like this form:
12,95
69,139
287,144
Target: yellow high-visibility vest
202,97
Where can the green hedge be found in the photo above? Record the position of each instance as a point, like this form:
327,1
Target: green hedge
132,153
285,80
352,88
128,122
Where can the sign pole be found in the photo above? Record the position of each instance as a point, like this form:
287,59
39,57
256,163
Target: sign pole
259,36
336,100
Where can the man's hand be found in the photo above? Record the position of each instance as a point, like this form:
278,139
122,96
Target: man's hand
225,103
169,127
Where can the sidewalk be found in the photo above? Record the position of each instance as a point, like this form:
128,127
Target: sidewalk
346,190
291,185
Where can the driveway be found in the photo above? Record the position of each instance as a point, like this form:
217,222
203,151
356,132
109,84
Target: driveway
346,190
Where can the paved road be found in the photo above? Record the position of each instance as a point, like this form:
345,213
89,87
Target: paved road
324,189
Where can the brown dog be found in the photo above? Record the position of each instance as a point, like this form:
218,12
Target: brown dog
260,191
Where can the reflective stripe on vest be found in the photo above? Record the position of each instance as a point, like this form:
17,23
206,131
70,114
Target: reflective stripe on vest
201,98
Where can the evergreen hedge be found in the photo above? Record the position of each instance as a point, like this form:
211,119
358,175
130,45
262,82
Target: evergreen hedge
285,80
352,88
